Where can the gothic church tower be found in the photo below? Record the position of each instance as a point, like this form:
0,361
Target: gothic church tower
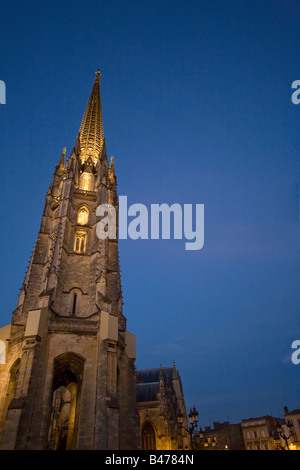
68,381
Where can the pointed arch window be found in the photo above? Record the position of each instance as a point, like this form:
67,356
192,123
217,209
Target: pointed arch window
86,182
83,216
148,437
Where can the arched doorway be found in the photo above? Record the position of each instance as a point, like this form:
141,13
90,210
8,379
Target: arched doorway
65,402
10,392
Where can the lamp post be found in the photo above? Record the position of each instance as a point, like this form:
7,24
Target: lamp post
280,432
193,419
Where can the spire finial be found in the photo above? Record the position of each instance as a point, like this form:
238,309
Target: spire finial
91,129
98,75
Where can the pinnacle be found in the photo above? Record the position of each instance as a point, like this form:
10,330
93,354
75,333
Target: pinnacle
91,129
112,173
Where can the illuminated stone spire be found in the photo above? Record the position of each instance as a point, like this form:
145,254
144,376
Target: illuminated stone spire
112,173
91,129
69,378
61,164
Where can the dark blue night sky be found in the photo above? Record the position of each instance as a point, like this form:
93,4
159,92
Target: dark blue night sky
197,109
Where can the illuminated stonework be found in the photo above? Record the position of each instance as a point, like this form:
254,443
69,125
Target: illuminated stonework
160,398
91,130
80,241
86,182
68,381
83,216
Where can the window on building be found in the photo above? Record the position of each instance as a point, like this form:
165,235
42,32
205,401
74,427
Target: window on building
83,215
80,241
86,182
148,437
75,302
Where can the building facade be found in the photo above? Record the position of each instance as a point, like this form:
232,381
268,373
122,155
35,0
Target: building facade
259,433
222,436
68,379
159,399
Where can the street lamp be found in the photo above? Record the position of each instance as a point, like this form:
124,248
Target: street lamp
193,419
281,433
